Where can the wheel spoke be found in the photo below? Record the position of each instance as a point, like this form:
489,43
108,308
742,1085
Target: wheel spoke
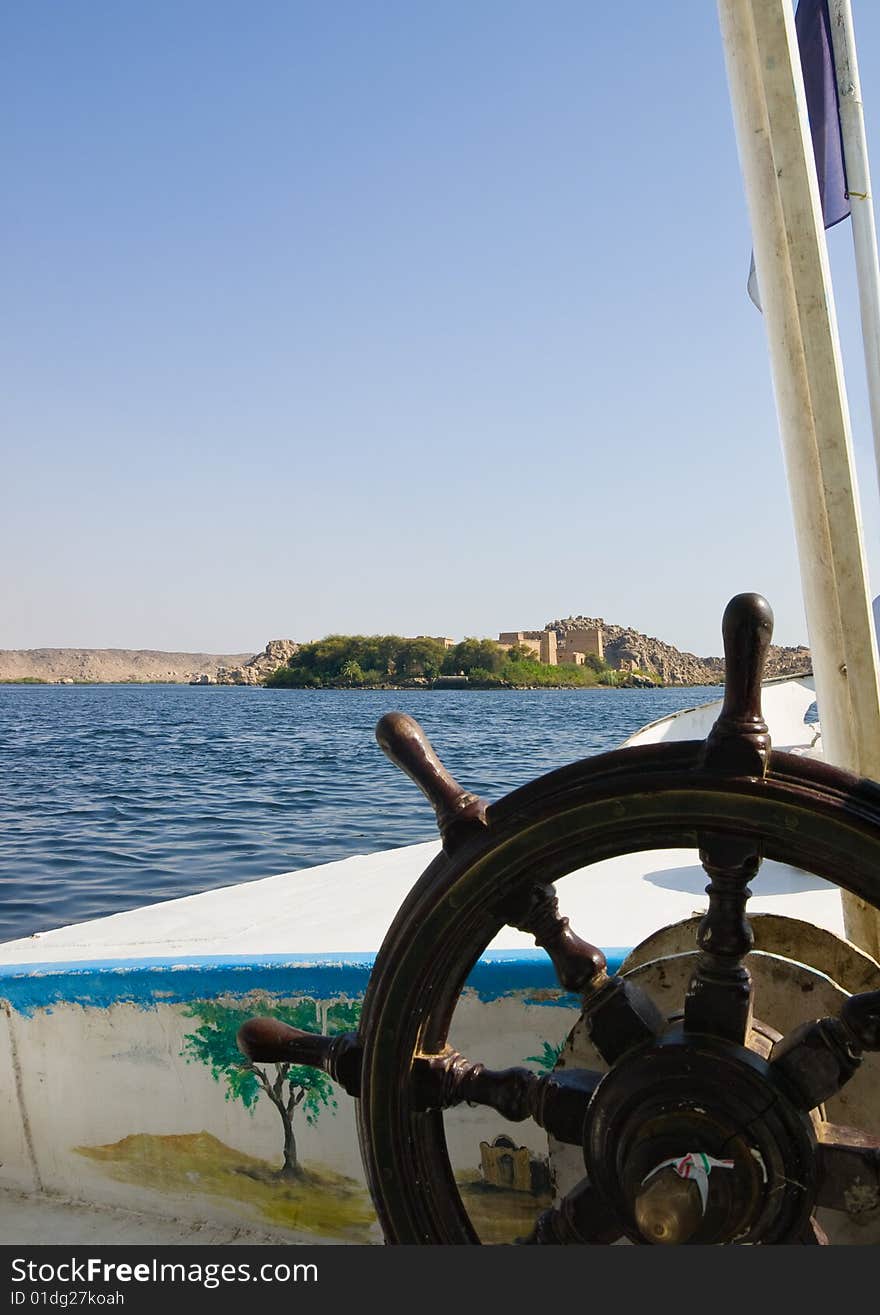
460,814
848,1169
621,1016
860,1015
581,1219
719,997
579,965
739,742
556,1101
817,1059
268,1040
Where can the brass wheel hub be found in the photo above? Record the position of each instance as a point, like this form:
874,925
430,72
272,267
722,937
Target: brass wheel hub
692,1140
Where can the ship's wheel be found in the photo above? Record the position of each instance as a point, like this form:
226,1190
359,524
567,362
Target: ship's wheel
702,1125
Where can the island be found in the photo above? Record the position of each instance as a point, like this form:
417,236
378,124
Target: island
577,652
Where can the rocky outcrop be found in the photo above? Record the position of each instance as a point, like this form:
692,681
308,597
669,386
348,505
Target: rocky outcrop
70,666
626,649
784,661
276,654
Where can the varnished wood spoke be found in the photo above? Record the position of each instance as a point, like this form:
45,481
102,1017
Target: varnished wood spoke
739,742
267,1040
460,814
814,1060
848,1169
619,1017
719,997
556,1101
579,965
719,1001
860,1016
581,1219
818,1058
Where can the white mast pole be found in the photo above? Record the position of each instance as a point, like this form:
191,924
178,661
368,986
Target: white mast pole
858,176
776,156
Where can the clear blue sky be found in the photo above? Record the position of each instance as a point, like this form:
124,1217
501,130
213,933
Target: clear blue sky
386,316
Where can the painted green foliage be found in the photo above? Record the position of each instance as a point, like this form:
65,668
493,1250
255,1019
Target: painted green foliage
287,1086
546,1061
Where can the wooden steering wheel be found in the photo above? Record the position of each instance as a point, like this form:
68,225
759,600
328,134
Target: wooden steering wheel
710,1083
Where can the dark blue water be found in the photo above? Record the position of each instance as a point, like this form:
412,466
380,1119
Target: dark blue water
114,796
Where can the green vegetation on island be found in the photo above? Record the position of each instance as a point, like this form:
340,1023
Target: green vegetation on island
376,661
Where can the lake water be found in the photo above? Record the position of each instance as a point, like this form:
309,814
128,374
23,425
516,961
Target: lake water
115,796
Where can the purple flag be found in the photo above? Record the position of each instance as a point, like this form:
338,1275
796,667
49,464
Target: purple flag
813,26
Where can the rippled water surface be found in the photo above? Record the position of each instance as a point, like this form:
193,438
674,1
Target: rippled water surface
114,796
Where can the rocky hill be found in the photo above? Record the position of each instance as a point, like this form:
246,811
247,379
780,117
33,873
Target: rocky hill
109,665
274,655
625,647
784,661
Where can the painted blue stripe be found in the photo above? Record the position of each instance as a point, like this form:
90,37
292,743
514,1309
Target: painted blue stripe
181,961
147,984
176,962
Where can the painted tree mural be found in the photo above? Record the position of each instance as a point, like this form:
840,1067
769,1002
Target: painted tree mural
287,1086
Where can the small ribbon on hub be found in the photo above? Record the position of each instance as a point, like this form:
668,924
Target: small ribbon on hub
696,1166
